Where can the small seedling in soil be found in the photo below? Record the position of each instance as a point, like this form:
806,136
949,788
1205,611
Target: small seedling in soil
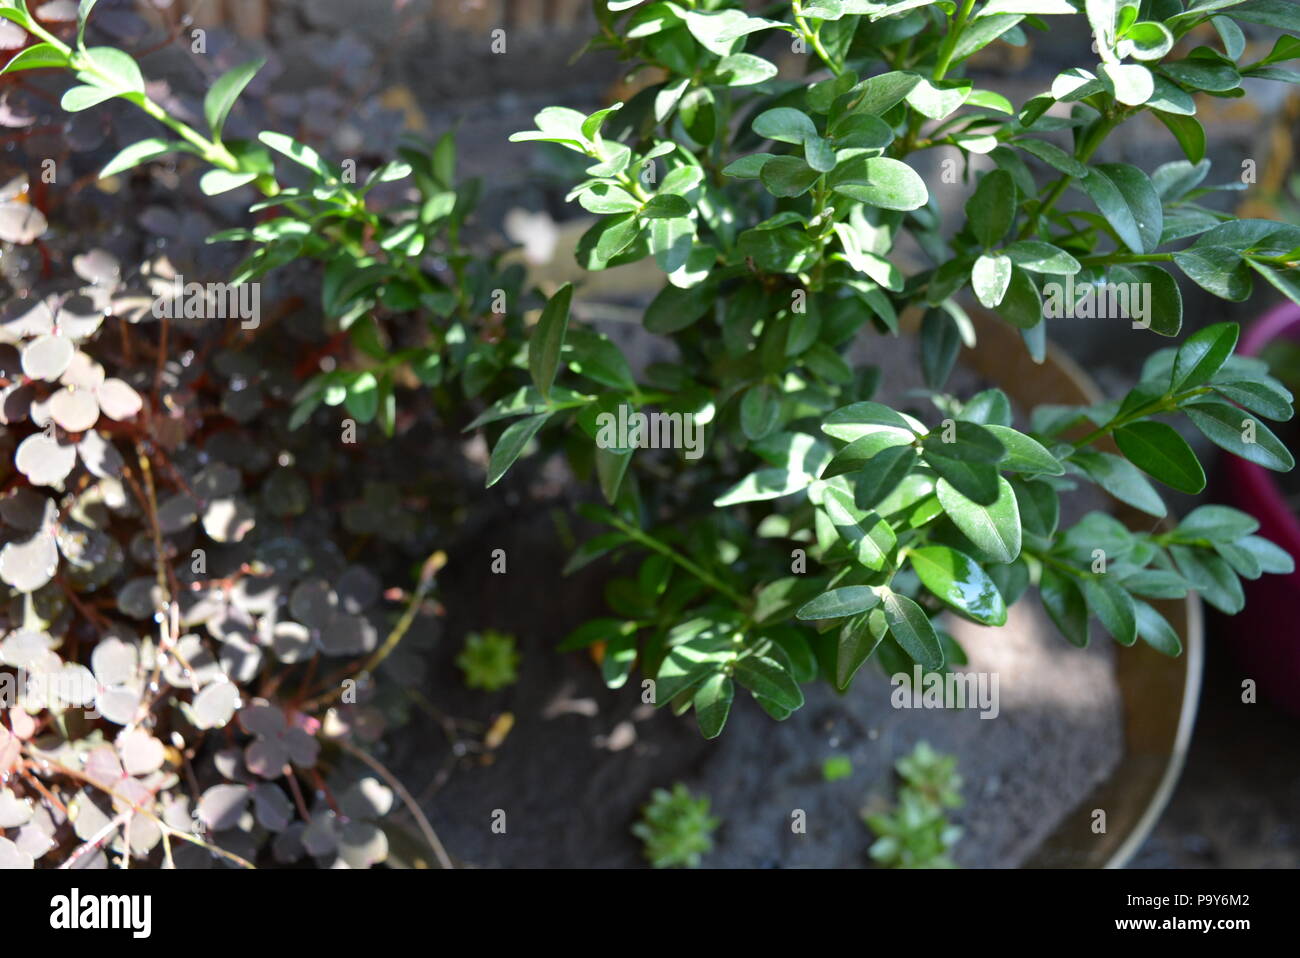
917,833
489,660
676,828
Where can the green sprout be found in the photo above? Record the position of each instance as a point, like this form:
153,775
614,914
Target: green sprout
676,828
917,833
489,660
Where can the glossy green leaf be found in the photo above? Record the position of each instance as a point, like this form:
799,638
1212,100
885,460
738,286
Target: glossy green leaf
511,444
1241,434
1202,355
548,339
912,629
1160,452
1065,605
992,207
993,528
1121,479
713,704
1113,606
959,582
837,603
221,97
1024,454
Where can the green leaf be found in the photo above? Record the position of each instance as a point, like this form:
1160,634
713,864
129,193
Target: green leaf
1187,131
1232,429
1210,576
1021,306
958,581
221,97
994,529
858,453
362,400
1284,282
744,69
666,206
970,442
674,309
1133,83
992,207
1216,524
1040,257
975,480
1040,506
36,57
785,125
79,98
139,152
548,339
301,154
1121,479
860,419
83,15
1113,606
879,476
1156,631
713,704
685,667
1163,302
1262,398
1024,454
869,537
858,638
760,412
217,181
1053,156
764,484
1202,355
990,277
1065,605
1271,558
511,445
879,181
605,198
1129,202
837,603
879,93
788,176
620,656
912,629
114,69
1217,270
766,677
1160,452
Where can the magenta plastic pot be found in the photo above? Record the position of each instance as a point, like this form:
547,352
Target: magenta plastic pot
1265,636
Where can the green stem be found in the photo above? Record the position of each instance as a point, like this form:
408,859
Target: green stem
1114,259
1087,146
1164,404
813,39
949,46
650,542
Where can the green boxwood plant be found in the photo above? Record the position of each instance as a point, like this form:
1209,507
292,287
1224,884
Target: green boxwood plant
822,528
